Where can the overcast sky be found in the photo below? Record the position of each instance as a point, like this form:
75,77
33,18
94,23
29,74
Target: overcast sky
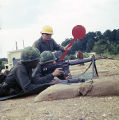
23,19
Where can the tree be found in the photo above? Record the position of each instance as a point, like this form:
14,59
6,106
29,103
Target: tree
107,34
66,42
100,47
114,49
117,36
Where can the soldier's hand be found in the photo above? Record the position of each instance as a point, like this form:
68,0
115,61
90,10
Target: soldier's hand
57,72
68,76
55,81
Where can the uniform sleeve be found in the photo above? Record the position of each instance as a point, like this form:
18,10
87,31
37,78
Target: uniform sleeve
42,80
35,44
24,81
39,79
58,47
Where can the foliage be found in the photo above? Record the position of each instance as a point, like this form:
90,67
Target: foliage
70,57
85,55
66,42
4,59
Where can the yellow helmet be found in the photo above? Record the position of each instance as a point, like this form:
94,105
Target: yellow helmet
47,29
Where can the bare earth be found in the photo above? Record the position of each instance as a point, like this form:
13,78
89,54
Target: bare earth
80,108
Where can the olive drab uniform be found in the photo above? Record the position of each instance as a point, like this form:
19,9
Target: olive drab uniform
20,79
2,77
50,45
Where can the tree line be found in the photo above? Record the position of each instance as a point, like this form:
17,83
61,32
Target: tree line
101,43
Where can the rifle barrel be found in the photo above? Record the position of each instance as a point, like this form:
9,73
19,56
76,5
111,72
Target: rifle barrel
80,61
85,60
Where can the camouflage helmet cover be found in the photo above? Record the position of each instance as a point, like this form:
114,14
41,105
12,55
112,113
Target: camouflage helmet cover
29,54
46,57
58,54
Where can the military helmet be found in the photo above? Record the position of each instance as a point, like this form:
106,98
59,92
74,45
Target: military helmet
29,54
58,54
46,57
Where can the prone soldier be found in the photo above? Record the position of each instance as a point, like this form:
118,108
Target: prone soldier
47,58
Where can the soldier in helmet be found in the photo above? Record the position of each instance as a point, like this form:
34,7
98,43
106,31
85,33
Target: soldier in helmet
46,43
20,77
47,58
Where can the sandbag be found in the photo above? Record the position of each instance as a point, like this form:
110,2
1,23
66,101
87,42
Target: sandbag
58,91
107,86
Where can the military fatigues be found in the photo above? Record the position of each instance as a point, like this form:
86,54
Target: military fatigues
20,79
50,45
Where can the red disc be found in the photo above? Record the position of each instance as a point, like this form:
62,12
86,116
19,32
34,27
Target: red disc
78,32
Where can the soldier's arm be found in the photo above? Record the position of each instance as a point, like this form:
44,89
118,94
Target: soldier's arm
36,44
58,47
24,81
40,79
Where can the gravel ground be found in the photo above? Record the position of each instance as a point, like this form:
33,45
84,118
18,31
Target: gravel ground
80,108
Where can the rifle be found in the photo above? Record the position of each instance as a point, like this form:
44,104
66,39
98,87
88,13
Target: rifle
65,66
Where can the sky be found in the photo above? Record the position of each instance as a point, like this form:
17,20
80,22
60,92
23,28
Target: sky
23,20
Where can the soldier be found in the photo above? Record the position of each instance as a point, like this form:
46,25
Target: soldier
46,43
47,58
20,77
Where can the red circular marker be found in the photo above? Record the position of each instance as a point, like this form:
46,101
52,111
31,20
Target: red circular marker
78,32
